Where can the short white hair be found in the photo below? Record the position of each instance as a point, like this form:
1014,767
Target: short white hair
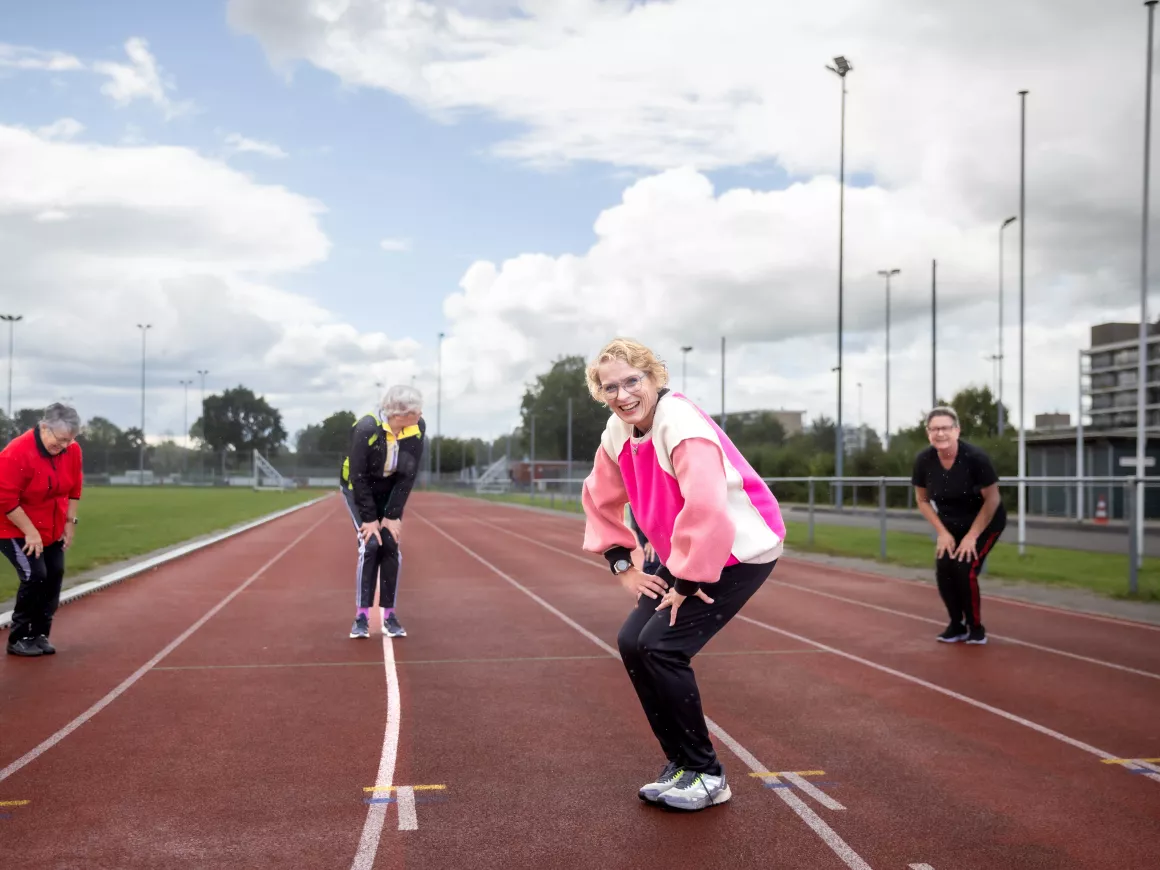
61,419
401,399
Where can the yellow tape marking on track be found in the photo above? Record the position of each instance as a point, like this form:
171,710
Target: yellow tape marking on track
1128,760
14,803
798,772
394,787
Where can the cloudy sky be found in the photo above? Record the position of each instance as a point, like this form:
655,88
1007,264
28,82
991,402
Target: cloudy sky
300,195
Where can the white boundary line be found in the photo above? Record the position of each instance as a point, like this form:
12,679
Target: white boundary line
851,858
84,717
855,601
948,692
368,844
1001,637
797,559
83,589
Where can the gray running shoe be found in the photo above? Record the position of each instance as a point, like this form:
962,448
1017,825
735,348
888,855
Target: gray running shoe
361,627
393,628
696,791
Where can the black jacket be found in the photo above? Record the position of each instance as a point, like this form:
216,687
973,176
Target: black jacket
380,491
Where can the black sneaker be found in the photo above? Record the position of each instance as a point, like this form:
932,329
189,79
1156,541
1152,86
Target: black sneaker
393,628
953,634
977,636
45,647
26,646
361,627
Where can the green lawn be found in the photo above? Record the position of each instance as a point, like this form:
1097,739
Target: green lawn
1104,573
119,523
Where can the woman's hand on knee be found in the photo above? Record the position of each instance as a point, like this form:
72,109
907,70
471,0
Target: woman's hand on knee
675,599
640,583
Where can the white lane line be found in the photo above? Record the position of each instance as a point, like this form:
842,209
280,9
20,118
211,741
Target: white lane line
1019,720
408,817
84,717
813,791
83,589
368,844
920,867
1004,638
827,834
981,705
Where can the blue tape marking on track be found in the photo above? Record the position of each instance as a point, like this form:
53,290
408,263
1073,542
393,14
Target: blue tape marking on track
418,800
5,815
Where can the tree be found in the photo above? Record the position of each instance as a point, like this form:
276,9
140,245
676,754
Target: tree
754,428
547,400
978,412
99,432
239,420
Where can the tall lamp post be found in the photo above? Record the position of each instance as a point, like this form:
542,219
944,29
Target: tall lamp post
141,455
1004,226
439,413
11,320
1142,376
887,273
185,430
840,68
685,368
1022,240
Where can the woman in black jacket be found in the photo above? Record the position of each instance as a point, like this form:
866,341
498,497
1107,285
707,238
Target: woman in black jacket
377,477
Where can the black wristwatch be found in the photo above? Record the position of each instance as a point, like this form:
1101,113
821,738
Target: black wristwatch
74,521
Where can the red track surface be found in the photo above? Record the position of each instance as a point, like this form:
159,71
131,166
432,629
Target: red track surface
251,743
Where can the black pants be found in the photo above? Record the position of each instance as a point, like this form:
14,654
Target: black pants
38,595
958,582
657,659
377,565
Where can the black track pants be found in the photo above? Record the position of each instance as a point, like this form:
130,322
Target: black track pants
377,565
657,659
958,582
38,595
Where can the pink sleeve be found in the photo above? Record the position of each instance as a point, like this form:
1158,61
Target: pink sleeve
604,498
702,533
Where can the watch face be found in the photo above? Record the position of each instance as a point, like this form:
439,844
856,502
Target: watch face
622,566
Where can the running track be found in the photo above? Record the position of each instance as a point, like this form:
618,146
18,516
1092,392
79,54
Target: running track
236,725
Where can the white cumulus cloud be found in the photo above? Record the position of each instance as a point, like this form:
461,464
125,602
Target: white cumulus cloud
140,79
26,58
395,245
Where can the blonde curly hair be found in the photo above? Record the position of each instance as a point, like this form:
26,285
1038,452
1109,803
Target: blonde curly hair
634,353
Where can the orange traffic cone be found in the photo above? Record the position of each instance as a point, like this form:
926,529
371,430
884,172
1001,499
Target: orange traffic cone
1101,517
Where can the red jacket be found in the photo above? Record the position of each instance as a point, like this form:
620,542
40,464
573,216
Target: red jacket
42,484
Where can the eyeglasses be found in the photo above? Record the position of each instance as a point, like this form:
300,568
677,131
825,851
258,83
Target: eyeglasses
631,385
938,430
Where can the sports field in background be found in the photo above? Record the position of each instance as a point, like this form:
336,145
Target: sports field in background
118,523
1104,573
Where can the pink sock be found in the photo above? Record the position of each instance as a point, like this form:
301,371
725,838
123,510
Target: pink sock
387,611
364,611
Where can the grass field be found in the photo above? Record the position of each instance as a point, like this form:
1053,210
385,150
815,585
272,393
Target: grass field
1104,573
118,523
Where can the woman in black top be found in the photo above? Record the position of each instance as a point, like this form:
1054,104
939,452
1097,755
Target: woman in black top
968,515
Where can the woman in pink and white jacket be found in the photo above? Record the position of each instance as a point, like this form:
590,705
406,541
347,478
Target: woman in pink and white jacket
717,530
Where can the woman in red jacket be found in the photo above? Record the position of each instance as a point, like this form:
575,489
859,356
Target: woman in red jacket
40,484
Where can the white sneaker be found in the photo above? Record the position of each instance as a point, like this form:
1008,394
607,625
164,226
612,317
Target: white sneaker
661,784
696,791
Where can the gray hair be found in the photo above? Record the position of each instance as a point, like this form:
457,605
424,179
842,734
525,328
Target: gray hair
943,411
401,399
60,418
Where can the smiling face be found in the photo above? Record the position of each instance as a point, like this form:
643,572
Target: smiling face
629,392
943,433
55,442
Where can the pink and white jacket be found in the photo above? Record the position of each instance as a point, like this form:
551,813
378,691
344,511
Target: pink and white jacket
697,500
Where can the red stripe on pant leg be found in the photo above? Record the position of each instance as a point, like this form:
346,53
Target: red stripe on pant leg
974,577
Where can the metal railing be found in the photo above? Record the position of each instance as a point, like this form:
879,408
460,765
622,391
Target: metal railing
1101,490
